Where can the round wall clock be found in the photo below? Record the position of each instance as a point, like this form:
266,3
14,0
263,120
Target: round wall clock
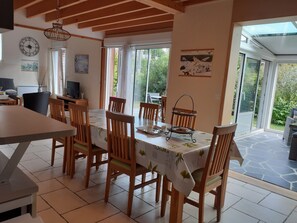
29,46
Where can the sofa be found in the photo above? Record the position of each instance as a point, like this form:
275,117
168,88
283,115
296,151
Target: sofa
7,85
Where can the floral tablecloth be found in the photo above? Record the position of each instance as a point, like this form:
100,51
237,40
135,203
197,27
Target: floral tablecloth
176,158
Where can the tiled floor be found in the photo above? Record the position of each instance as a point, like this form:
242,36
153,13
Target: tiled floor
61,199
266,158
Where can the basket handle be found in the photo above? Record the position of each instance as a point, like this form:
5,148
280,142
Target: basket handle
184,95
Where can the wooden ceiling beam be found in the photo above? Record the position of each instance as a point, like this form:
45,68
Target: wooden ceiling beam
165,5
194,2
19,4
107,12
84,7
139,22
152,28
131,16
48,6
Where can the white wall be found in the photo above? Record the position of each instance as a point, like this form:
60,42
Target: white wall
10,67
201,27
89,83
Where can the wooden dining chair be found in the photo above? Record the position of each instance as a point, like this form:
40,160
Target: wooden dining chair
122,155
57,112
116,104
81,143
149,111
213,176
183,118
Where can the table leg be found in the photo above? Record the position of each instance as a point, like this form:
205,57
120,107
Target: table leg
12,163
176,206
68,155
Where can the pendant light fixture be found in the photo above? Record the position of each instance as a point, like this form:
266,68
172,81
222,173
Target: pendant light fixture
57,32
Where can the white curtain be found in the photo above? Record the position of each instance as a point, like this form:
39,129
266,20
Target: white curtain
126,76
56,71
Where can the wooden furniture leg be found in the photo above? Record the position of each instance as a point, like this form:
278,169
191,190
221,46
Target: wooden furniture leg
176,206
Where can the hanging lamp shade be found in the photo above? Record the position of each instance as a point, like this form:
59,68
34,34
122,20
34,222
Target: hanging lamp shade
57,33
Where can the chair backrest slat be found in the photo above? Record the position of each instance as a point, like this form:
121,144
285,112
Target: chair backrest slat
183,118
79,118
120,137
116,104
57,109
149,111
219,151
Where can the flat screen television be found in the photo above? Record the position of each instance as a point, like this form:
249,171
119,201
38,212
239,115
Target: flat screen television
73,89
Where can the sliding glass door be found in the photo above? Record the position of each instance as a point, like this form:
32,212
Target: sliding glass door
248,82
150,77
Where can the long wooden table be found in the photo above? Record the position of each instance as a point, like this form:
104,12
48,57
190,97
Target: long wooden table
21,125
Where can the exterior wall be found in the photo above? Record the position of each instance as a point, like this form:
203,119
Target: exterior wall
10,66
201,27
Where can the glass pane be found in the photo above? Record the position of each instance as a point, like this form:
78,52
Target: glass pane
259,93
140,82
248,96
285,95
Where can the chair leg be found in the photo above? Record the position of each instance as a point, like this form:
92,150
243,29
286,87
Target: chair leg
107,186
158,187
88,170
143,178
72,169
219,202
201,207
130,195
98,160
53,152
164,198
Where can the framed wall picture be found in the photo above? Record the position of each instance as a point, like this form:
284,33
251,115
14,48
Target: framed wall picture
196,62
81,64
29,65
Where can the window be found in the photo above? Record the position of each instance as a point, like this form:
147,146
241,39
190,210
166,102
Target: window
57,71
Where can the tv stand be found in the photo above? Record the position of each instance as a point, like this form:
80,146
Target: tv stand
67,99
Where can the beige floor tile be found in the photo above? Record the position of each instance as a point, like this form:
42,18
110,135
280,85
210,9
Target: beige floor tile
120,218
232,215
244,192
46,155
91,213
279,203
35,165
292,217
259,212
230,199
29,156
37,148
139,207
209,212
51,173
97,192
49,186
50,216
63,200
150,197
41,204
154,216
77,183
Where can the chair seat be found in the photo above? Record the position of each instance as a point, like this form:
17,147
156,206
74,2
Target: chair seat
139,169
84,148
197,175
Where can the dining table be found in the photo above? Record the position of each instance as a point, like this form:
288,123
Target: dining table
176,158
